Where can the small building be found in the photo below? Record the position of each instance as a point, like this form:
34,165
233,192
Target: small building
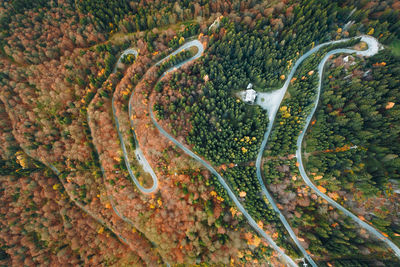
250,94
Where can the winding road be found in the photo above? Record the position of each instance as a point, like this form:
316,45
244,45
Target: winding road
372,49
240,207
138,153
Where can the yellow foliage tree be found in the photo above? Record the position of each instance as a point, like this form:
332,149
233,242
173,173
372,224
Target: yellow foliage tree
371,31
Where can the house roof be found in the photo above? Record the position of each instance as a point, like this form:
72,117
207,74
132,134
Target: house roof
250,95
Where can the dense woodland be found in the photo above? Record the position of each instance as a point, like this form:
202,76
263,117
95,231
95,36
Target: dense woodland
325,232
56,90
294,109
40,225
362,111
355,138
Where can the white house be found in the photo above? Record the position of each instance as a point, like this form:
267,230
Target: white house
250,94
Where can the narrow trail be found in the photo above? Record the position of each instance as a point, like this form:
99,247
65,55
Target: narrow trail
138,152
251,221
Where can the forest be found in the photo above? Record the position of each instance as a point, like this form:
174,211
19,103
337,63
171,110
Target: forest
328,234
356,134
